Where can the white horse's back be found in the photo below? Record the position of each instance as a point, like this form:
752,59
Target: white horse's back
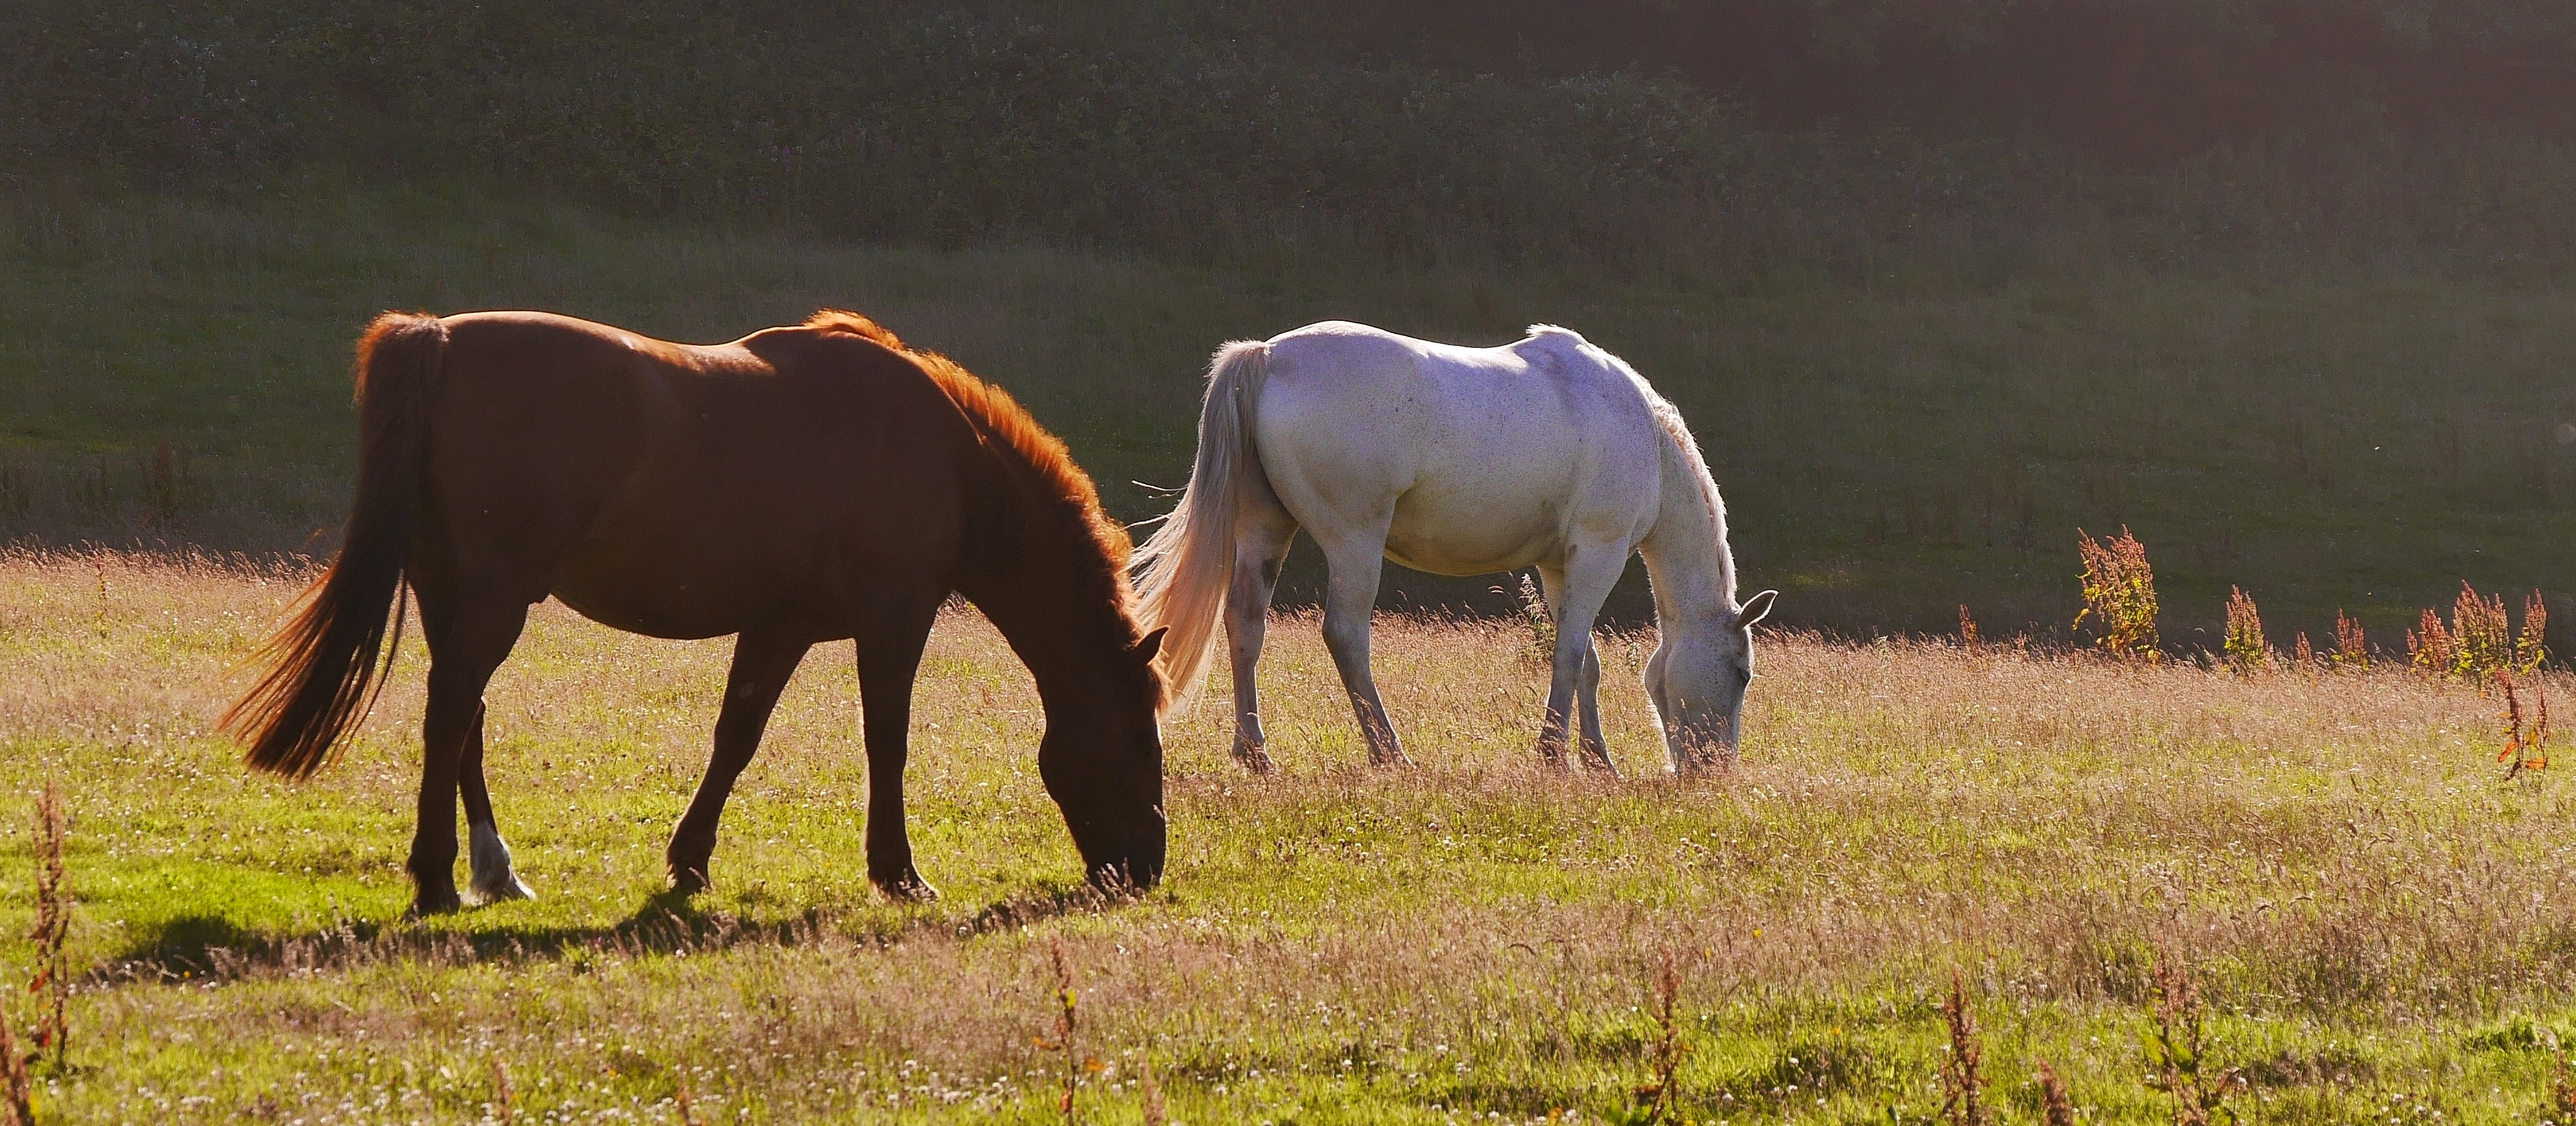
1461,461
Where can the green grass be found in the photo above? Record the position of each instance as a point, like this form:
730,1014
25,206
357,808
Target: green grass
1888,453
2383,928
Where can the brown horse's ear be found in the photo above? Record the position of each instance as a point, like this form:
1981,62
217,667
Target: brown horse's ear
1756,609
1153,644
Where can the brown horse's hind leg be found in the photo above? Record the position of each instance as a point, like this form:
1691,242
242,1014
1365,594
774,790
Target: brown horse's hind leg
486,854
889,656
762,665
466,643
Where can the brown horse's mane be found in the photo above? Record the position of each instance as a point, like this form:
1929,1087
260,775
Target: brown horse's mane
1004,421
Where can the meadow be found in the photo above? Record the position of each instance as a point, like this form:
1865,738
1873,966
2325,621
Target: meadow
2287,289
2379,923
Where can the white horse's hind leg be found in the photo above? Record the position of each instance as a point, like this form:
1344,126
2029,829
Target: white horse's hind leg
1262,534
1589,574
1350,595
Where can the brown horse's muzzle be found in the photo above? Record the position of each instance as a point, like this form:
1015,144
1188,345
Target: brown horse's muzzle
1136,865
1115,816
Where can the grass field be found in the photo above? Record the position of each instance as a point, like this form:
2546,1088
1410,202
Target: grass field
1889,449
2385,930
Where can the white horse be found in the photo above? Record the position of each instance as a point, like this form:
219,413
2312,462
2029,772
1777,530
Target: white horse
1549,452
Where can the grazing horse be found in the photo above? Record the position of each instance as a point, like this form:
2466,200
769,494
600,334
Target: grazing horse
800,485
1459,461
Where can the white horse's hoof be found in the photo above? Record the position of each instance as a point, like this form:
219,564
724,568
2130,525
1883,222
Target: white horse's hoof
494,880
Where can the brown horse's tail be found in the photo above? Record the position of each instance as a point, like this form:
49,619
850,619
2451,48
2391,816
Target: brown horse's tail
324,661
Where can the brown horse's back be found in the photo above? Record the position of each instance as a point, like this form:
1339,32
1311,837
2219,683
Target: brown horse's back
689,491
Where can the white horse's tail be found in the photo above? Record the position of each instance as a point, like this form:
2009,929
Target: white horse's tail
1184,570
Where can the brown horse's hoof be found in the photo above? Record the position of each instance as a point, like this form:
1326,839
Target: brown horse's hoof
428,903
908,888
689,879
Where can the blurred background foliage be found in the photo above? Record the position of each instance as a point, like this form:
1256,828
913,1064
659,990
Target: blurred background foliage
1706,144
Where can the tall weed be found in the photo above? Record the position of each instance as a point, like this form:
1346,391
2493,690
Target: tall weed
2178,1052
2526,741
2119,595
1962,1087
2352,645
2479,641
2248,651
51,931
1659,1098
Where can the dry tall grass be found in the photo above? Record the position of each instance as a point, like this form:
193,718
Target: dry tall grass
1478,933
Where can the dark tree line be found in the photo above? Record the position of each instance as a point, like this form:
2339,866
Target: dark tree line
1708,142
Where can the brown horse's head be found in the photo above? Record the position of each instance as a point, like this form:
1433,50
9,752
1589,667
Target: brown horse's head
1102,761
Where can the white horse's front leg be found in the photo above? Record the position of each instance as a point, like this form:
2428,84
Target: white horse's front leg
1587,701
1575,602
1350,594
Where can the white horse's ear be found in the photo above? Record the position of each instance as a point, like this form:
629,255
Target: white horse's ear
1756,608
1153,644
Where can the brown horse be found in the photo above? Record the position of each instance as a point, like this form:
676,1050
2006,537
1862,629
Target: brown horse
796,486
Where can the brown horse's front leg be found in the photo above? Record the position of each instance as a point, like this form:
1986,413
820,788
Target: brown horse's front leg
888,659
762,665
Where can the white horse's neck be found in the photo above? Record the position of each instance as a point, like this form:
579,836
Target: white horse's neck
1687,559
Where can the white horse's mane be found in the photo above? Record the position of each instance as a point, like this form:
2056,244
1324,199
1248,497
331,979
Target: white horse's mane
1670,417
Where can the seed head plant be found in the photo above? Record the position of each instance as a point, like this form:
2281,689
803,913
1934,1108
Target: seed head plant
685,1104
2526,743
1659,1098
2248,651
505,1096
2055,1108
1962,1088
52,929
2119,595
2431,648
1534,616
17,1088
2562,1094
1152,1097
2178,1054
1067,1019
2479,642
2529,650
2352,646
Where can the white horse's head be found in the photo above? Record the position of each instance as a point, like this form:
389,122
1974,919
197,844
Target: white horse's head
1697,679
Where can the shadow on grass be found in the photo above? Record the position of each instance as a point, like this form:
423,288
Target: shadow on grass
1014,912
201,947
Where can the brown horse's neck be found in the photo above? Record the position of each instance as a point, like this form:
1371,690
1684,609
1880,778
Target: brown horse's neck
1058,595
1045,564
